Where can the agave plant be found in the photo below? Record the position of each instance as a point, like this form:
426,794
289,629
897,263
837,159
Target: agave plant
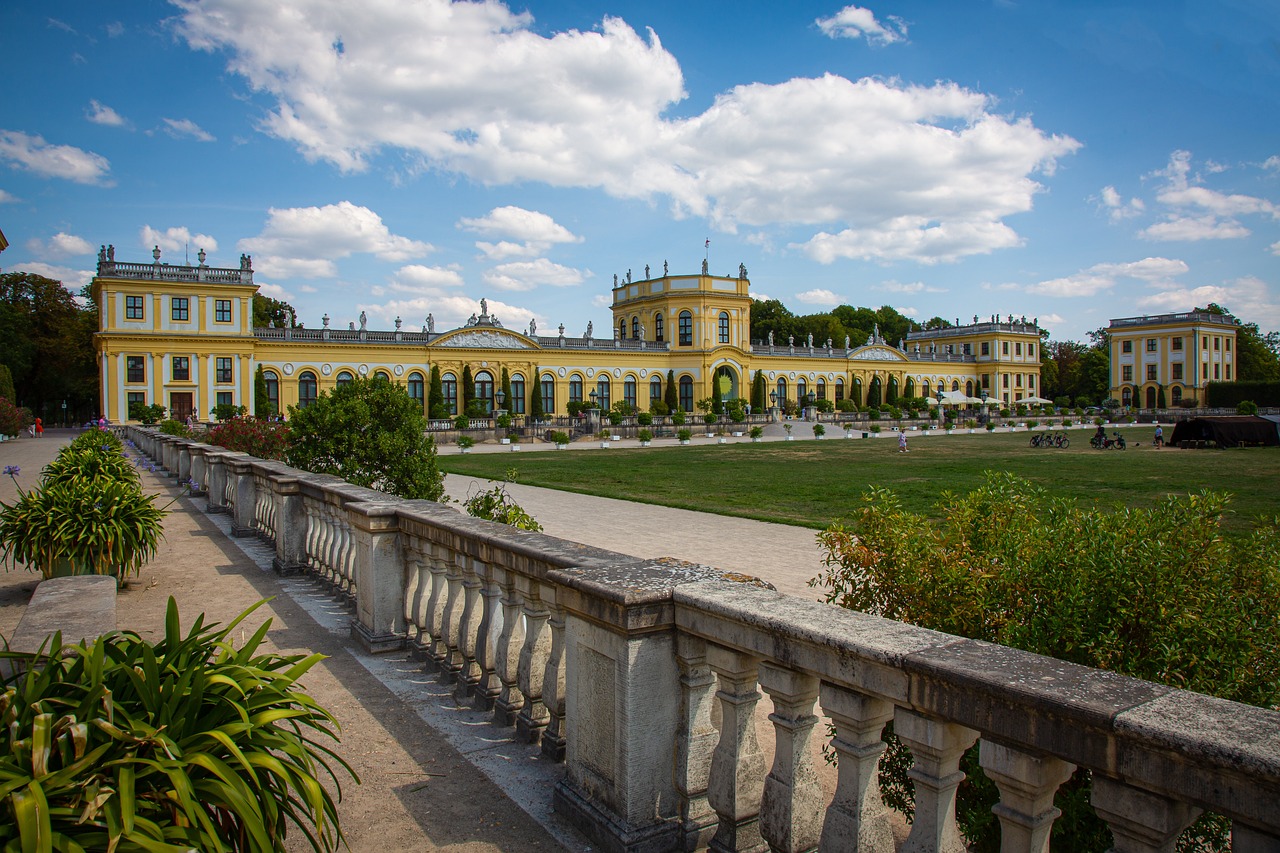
187,744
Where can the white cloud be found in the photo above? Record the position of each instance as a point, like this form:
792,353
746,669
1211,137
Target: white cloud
100,113
177,239
32,153
1272,164
184,128
913,287
72,279
1199,213
527,275
855,22
927,172
819,296
60,245
1249,298
1102,277
450,311
305,241
115,29
1195,228
600,300
8,198
1275,248
531,233
1119,209
416,278
275,291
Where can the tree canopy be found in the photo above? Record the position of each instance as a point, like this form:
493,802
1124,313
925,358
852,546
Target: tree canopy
272,312
48,344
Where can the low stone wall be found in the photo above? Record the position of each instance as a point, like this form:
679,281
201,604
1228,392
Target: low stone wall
619,666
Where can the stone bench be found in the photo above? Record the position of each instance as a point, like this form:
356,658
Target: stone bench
81,607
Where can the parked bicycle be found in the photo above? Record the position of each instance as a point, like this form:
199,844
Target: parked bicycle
1102,442
1050,440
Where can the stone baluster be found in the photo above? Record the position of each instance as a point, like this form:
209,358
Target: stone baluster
199,470
791,805
1027,785
324,539
379,569
857,818
553,736
246,503
417,588
507,652
469,630
937,748
455,601
217,483
490,685
736,783
291,524
184,462
439,560
695,742
533,662
1140,821
315,533
332,548
346,560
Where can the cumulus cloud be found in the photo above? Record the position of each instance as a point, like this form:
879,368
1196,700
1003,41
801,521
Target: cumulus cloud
416,278
185,128
8,198
115,29
305,241
1117,208
528,232
176,239
1199,213
912,287
855,22
527,275
1248,298
31,152
60,245
1272,164
72,279
925,172
1275,248
819,296
100,113
1102,277
450,311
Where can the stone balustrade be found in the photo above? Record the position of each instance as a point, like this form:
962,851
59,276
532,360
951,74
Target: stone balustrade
644,677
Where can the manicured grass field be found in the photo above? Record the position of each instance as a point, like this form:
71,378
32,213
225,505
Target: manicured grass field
812,483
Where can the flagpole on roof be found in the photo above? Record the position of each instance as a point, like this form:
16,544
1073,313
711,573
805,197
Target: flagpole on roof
706,254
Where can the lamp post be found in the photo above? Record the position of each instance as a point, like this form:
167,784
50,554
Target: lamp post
810,409
500,398
64,413
773,406
593,414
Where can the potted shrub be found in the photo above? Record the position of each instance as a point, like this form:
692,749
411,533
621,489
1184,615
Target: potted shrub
604,438
645,437
644,419
1066,422
709,419
513,438
1032,424
757,433
819,431
787,427
465,443
677,417
991,427
683,435
560,439
875,430
848,429
970,424
461,422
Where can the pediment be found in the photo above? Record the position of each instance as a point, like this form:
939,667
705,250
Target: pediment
877,353
483,339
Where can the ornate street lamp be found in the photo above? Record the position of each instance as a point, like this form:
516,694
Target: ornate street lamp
500,398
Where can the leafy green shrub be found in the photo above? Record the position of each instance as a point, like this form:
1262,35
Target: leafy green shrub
1032,424
559,437
462,422
1158,594
873,414
846,406
991,427
186,744
264,439
14,419
644,419
466,442
172,427
875,427
502,421
496,505
684,434
819,430
825,406
615,418
146,414
226,411
1247,407
644,435
756,431
575,407
659,408
677,417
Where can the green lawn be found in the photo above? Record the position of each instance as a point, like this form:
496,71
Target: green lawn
811,483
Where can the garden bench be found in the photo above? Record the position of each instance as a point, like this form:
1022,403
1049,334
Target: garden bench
82,607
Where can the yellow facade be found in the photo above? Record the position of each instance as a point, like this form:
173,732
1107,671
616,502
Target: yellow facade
1181,353
190,355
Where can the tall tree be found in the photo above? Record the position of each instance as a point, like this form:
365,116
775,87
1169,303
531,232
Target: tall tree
770,315
262,407
758,392
272,312
671,396
435,398
468,390
48,345
506,390
536,412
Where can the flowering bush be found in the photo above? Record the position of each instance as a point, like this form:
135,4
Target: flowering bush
14,419
264,439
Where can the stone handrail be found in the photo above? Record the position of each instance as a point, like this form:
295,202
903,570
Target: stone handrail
614,664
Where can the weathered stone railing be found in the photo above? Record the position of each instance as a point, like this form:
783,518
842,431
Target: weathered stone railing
643,676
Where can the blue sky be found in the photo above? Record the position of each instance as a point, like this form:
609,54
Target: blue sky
1072,161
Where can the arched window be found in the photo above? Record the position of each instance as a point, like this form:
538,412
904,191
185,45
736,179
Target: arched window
449,389
1176,395
822,389
417,388
955,385
622,328
602,392
516,403
802,390
781,391
839,388
548,394
629,391
1126,396
724,327
344,376
655,388
383,375
575,388
686,329
686,393
635,328
306,389
484,389
911,387
968,388
658,327
273,390
1151,397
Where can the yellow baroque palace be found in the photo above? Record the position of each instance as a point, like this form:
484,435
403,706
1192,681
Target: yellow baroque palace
183,337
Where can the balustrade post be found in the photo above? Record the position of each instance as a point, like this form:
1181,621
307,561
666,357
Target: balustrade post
419,588
468,631
451,664
937,747
857,818
199,469
242,487
439,561
791,806
1140,821
489,688
736,783
532,719
380,569
184,462
507,659
1027,786
695,742
553,736
217,481
291,524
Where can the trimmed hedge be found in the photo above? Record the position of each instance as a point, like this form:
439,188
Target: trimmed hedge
1227,395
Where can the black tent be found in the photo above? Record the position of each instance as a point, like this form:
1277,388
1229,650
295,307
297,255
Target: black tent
1239,431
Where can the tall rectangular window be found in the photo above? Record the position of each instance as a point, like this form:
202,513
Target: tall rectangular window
575,389
1228,347
181,368
1217,344
1004,347
222,310
1151,344
517,395
986,348
724,327
1228,367
1151,372
135,308
222,369
548,395
224,398
1126,373
135,368
1031,349
449,390
1017,349
1126,346
686,329
1176,344
1217,371
179,309
1177,369
135,398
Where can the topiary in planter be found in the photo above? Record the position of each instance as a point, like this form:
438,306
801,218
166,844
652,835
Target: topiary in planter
189,743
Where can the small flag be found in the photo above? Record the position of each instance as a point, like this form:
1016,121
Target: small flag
708,245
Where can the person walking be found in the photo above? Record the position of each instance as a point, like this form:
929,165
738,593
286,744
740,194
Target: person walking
39,428
902,442
1159,440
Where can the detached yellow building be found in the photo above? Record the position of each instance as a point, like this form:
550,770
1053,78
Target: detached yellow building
183,337
1181,353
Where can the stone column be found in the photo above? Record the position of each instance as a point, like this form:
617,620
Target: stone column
217,481
242,485
937,747
507,653
553,736
379,568
736,783
791,807
468,630
489,687
533,661
199,469
1027,785
857,818
695,742
291,525
1140,821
